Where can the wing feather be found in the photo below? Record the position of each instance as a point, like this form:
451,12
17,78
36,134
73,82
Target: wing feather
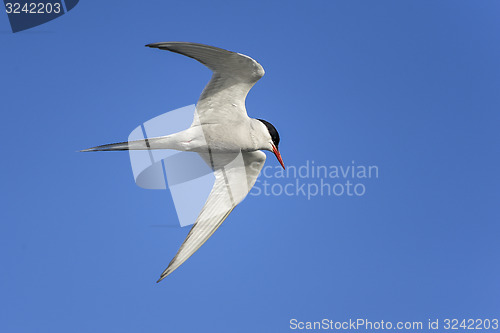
234,74
232,184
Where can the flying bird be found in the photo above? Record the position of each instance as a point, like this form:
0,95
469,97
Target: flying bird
222,133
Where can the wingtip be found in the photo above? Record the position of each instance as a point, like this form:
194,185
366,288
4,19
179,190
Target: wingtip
154,45
165,273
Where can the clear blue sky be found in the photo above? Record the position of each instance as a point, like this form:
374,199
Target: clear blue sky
409,86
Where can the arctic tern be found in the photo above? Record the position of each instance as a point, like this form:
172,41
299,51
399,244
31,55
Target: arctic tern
229,141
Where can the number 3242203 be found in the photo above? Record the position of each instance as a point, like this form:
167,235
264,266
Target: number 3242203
32,8
470,324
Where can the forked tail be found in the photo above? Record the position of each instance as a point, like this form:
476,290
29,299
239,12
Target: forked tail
146,144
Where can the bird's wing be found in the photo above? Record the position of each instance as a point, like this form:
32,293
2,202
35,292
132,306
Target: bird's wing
232,183
234,74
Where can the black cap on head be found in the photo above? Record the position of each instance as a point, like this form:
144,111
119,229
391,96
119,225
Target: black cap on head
272,131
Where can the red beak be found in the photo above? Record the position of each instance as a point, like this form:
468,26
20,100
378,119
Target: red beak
278,156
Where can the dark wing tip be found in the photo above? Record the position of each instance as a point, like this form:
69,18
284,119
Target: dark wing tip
162,45
155,45
162,277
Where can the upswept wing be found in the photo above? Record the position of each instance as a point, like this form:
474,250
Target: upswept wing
233,181
234,74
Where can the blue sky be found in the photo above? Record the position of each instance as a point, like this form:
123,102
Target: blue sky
409,86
